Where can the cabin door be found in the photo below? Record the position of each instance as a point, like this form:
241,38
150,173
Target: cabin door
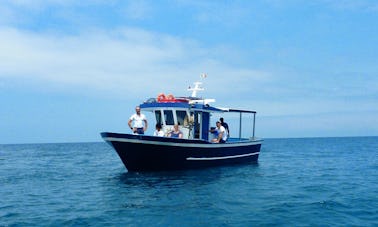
205,125
197,124
201,125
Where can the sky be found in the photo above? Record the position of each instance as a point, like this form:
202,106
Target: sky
72,69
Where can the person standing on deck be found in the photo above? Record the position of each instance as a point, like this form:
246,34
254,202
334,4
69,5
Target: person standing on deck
225,125
136,122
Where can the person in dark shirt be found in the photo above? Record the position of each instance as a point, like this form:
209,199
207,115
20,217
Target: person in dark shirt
225,125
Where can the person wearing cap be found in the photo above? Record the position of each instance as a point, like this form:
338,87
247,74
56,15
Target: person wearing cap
136,122
222,134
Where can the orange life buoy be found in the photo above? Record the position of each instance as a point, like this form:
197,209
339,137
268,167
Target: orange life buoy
161,97
170,97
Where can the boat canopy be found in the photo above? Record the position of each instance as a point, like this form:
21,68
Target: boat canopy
198,107
151,106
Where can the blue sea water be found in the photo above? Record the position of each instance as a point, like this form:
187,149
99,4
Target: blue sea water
297,182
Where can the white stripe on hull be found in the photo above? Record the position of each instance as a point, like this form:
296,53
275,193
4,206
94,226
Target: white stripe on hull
220,158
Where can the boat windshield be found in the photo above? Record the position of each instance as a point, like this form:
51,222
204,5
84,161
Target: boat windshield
181,116
158,117
168,116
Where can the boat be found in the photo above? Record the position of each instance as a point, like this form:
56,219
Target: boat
195,149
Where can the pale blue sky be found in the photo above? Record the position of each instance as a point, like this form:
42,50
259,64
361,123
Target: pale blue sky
71,69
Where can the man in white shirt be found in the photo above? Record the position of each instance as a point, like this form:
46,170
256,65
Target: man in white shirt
222,134
136,122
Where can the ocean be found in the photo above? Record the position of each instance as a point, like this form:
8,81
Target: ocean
296,182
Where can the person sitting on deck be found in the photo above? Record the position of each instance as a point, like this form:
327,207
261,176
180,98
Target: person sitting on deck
158,131
175,133
222,134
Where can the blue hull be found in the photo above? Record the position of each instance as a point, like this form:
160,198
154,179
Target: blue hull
149,153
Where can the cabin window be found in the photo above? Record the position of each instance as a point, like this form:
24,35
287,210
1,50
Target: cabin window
158,117
181,115
168,116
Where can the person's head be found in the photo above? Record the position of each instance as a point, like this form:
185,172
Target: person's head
218,124
176,127
221,119
158,126
137,110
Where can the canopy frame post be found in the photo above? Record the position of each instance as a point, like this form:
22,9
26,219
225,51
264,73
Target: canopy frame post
254,120
240,124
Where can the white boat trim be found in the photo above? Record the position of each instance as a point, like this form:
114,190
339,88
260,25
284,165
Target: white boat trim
165,143
220,158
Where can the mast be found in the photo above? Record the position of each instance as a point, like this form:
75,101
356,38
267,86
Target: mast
197,86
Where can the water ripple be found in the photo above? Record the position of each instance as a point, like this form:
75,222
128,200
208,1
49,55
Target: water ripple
297,182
